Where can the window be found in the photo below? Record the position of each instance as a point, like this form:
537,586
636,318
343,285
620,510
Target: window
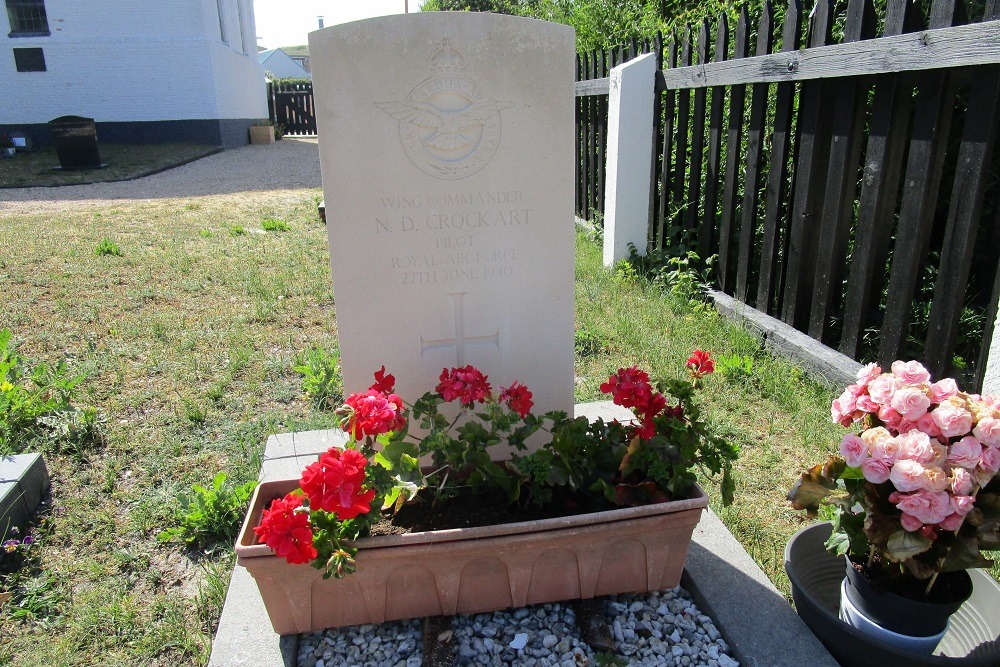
29,60
243,30
222,22
27,18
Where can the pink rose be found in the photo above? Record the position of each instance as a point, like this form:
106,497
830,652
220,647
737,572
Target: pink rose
889,417
951,522
928,426
965,453
910,402
927,506
866,404
910,522
907,475
988,431
916,446
942,390
952,419
910,372
990,460
961,482
886,450
962,505
935,479
876,471
868,373
853,449
843,410
881,389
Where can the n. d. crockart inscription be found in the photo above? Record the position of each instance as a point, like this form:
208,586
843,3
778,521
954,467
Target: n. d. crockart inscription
447,171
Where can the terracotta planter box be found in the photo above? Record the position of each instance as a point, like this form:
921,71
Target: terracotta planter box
471,570
261,134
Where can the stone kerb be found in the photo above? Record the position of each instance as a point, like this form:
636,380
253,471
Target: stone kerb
630,149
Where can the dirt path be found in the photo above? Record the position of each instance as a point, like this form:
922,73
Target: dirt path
290,164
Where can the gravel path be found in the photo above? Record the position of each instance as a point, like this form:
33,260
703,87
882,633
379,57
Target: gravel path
291,164
658,629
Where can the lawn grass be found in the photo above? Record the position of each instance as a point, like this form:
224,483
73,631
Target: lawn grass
189,337
124,161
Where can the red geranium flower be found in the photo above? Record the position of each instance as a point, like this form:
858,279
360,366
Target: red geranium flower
629,388
373,413
286,531
467,384
383,383
518,398
335,483
700,363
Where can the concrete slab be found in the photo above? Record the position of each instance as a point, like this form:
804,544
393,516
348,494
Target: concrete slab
24,480
760,626
836,369
756,620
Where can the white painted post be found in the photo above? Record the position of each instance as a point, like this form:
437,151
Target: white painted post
991,375
630,151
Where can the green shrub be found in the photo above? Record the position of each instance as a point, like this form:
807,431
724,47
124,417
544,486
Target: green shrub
36,405
274,225
209,516
108,247
321,381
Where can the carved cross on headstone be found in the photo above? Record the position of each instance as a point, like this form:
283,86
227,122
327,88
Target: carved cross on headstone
460,341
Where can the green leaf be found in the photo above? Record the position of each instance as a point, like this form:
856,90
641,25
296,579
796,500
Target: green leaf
904,544
838,543
964,554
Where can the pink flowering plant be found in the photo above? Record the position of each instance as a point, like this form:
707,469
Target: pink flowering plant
916,491
454,427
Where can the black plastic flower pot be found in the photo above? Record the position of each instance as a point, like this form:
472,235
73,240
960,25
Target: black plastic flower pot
903,615
972,639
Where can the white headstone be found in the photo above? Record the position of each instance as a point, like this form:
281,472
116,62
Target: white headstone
446,142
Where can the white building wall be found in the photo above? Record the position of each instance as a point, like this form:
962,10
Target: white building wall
118,60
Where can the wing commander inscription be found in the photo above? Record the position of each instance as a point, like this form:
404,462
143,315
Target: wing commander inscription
460,340
448,126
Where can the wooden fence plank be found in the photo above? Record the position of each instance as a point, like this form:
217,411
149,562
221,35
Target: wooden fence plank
880,185
734,134
588,129
681,147
713,174
991,314
655,166
668,138
842,171
931,124
695,161
813,145
978,134
975,44
751,187
601,130
578,163
769,283
593,202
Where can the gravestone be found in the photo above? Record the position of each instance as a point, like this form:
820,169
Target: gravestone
75,139
446,143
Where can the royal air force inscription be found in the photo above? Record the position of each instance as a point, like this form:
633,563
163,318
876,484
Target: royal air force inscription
457,237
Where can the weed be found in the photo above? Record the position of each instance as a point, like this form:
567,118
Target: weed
36,407
320,380
36,598
586,343
108,247
208,516
274,225
237,230
734,366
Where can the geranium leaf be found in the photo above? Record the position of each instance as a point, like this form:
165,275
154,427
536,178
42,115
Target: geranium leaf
904,544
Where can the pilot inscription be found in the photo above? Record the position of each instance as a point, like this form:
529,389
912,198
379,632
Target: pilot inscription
448,125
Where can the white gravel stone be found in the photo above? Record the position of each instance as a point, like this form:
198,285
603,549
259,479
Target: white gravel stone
657,629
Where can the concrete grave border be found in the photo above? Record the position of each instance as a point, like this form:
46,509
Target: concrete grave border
727,585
